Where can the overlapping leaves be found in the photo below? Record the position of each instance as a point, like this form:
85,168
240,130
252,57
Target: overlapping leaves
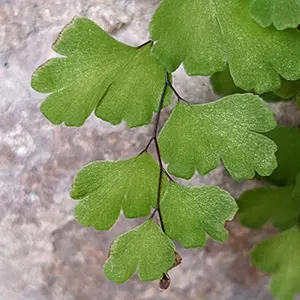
204,35
289,90
281,13
99,73
189,214
223,84
104,188
287,140
279,256
197,136
281,205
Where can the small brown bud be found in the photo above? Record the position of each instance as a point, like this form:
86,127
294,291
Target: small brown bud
165,282
178,259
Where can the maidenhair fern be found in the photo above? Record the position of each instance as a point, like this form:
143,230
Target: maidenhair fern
250,48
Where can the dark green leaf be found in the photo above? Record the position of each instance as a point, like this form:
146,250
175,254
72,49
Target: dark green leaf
279,255
223,84
288,142
289,90
277,204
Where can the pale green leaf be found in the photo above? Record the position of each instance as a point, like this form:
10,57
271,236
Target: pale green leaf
197,136
106,187
189,213
205,34
277,204
281,13
99,73
145,248
279,255
288,144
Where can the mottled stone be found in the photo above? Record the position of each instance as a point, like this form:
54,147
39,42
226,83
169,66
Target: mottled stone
44,253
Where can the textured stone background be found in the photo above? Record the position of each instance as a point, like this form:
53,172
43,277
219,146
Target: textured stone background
44,253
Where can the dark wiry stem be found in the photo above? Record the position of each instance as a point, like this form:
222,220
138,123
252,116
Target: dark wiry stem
144,44
160,106
147,146
154,138
161,171
179,98
166,280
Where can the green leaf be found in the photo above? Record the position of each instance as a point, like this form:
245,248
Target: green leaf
279,255
277,204
205,34
99,73
189,213
145,248
105,187
288,144
281,13
289,90
223,85
197,136
296,190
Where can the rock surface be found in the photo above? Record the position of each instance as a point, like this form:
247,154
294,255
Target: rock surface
44,253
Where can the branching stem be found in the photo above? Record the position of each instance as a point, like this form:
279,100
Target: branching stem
179,98
154,138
